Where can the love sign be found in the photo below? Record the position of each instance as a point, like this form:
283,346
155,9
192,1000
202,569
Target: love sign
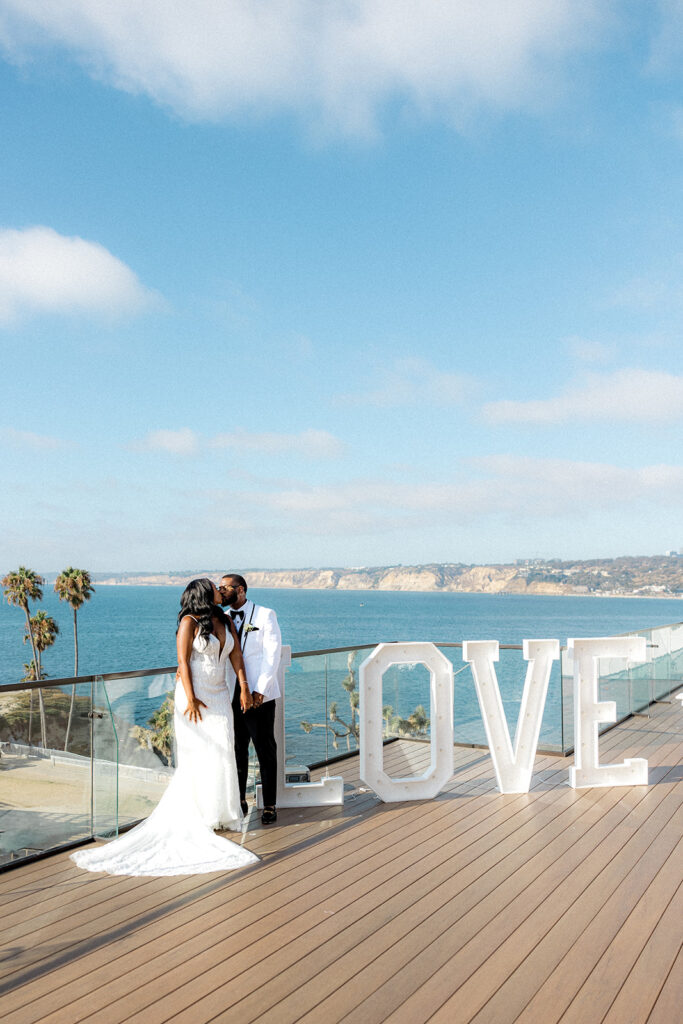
513,759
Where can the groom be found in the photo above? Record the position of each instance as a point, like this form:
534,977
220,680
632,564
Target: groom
259,636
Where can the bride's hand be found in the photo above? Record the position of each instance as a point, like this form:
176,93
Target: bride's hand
246,701
193,711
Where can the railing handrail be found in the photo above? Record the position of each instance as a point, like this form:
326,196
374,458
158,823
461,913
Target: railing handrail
45,684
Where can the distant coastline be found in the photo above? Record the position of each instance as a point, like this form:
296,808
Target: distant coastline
647,576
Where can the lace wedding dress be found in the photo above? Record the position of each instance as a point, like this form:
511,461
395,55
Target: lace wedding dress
178,836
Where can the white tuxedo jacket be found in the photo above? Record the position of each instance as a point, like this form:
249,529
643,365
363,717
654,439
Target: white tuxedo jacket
261,646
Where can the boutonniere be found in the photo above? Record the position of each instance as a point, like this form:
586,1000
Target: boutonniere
249,628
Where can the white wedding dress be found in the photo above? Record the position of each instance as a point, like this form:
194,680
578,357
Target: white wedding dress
203,794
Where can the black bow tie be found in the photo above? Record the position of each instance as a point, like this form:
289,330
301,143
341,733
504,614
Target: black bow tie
237,618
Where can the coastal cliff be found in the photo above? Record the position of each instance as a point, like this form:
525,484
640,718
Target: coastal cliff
656,576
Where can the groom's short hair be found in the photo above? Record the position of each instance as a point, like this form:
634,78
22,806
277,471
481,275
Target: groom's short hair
239,580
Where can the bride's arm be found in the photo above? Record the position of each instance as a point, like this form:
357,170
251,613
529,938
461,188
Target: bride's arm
184,646
237,662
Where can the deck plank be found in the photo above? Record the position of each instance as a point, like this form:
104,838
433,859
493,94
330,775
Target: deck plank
667,1008
476,906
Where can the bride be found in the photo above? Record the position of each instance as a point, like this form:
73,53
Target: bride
203,794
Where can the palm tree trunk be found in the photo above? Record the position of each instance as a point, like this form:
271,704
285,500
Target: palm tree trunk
73,688
41,705
43,723
71,715
75,644
36,662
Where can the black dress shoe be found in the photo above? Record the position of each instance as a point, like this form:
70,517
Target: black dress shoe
269,816
245,807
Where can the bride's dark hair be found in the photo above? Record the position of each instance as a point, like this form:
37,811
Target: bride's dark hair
197,600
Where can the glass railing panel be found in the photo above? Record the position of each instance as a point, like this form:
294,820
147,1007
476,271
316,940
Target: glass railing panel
663,672
616,683
632,686
321,707
552,736
511,668
343,700
406,701
44,792
663,661
142,720
407,710
105,765
567,698
676,655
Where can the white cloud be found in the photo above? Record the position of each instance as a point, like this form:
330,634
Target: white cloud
44,272
587,351
311,444
172,442
27,439
339,61
628,395
506,503
411,382
513,488
555,487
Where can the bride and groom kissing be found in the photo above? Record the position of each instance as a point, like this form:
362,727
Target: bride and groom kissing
226,687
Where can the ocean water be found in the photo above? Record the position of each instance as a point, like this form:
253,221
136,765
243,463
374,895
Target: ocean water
127,628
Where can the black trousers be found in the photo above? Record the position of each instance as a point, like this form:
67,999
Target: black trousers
257,725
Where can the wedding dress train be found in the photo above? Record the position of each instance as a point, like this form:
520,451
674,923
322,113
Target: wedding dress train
203,794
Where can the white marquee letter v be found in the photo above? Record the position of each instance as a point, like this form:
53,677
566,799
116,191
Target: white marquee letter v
513,768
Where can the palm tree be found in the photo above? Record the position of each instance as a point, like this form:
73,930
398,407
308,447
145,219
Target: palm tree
44,630
75,587
20,587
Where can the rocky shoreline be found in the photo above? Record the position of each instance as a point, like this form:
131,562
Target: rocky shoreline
657,576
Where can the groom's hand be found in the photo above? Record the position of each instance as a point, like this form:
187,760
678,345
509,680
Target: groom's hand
257,699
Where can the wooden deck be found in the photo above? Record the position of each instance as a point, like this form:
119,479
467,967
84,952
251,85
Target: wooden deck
555,905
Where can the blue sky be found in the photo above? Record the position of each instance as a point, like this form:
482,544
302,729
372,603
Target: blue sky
296,284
